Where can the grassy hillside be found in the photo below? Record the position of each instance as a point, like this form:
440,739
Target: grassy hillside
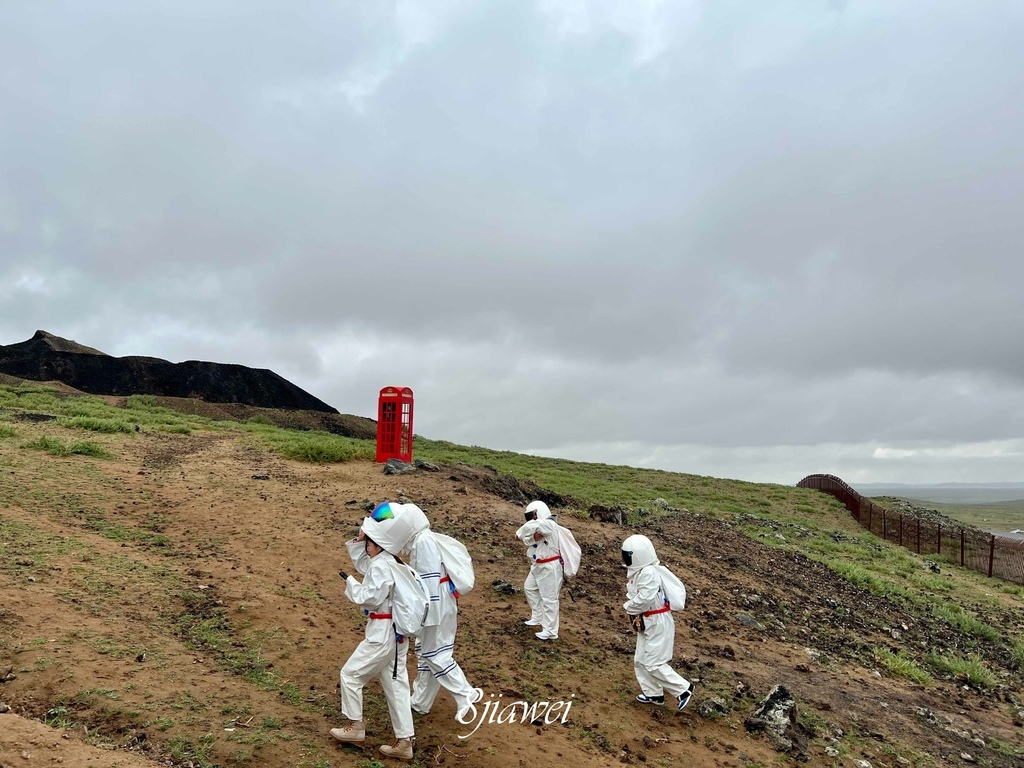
165,590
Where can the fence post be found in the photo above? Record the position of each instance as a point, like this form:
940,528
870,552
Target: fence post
871,508
939,539
901,529
919,535
961,547
991,553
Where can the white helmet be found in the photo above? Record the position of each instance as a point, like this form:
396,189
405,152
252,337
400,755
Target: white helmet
393,525
379,527
540,510
638,552
410,523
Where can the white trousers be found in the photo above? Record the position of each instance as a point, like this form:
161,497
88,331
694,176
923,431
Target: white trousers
435,666
542,586
654,647
371,660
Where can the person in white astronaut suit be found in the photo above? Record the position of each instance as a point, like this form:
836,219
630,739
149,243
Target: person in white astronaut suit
382,653
435,644
540,535
651,615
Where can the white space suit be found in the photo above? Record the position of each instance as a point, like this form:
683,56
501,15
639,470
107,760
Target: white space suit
545,578
655,644
435,644
379,654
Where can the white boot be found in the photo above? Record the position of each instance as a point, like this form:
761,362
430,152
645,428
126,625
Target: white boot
401,750
354,734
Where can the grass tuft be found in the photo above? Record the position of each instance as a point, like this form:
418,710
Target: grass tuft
901,665
964,621
1017,653
107,426
58,448
971,670
314,447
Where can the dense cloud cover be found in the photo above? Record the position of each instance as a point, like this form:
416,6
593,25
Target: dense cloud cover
713,237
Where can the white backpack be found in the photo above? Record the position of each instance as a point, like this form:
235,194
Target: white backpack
409,599
457,562
675,590
571,552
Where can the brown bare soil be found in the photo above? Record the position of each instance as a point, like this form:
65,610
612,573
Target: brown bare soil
169,608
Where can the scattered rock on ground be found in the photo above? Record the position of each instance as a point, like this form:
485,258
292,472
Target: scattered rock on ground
775,717
503,587
397,467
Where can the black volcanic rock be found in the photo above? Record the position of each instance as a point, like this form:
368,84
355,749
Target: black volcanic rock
46,357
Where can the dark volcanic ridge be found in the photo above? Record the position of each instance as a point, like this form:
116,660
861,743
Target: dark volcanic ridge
46,357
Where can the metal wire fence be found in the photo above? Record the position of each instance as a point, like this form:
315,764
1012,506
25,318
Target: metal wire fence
988,553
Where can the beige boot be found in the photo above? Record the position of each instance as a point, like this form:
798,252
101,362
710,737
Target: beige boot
354,734
402,750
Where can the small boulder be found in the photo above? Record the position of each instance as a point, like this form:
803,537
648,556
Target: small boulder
397,467
749,621
504,588
775,717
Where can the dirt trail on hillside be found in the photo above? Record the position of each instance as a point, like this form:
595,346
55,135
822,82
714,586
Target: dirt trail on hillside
211,536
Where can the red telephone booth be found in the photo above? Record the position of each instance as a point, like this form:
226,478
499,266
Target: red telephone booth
394,424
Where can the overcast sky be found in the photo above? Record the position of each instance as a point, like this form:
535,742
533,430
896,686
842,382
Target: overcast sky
748,240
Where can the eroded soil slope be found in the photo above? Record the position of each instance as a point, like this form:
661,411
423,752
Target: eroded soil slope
180,605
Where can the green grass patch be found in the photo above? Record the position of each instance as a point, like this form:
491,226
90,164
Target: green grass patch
29,398
1017,653
116,532
7,430
77,448
901,665
143,410
160,723
315,447
964,621
862,577
87,412
1004,748
177,429
971,670
931,583
185,751
58,717
96,424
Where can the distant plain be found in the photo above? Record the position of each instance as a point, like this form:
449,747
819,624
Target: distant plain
998,509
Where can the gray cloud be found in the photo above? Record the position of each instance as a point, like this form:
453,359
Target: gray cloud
689,234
